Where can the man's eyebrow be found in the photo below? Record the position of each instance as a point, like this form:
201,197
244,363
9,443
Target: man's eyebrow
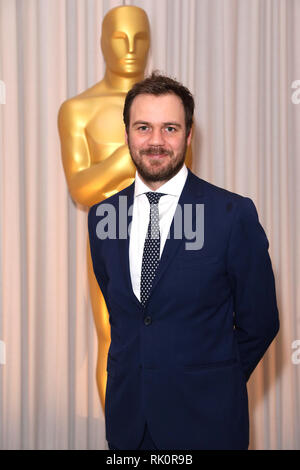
172,124
141,122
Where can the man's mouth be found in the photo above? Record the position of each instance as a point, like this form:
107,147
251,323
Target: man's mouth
155,153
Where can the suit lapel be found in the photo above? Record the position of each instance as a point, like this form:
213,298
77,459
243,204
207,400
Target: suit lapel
192,193
124,246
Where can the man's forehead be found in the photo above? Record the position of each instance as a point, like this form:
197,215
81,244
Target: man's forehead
157,104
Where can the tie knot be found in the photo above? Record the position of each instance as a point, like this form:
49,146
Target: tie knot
154,197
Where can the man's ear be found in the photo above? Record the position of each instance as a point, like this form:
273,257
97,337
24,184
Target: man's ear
126,137
189,138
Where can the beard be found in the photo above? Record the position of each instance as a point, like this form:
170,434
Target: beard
154,170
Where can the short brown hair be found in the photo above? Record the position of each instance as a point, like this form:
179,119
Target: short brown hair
157,84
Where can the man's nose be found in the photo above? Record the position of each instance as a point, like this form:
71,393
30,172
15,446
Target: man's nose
156,137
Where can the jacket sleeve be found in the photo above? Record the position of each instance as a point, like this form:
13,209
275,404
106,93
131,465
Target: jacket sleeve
250,271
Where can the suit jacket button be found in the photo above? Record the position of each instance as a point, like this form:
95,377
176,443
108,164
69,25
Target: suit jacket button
147,321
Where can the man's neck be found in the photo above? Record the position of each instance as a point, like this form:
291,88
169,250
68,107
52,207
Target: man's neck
153,185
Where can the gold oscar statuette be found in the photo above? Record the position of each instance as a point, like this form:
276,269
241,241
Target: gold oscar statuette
95,157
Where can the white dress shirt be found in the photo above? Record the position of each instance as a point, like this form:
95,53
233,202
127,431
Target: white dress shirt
140,220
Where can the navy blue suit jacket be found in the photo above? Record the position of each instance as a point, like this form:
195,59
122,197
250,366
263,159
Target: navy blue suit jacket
181,363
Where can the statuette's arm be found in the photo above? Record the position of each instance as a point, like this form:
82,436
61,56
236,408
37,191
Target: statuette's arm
89,182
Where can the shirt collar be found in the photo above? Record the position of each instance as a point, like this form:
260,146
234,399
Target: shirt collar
172,187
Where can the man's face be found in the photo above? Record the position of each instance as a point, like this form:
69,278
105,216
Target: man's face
157,136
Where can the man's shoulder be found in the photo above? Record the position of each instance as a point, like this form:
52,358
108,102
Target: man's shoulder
213,191
224,201
215,194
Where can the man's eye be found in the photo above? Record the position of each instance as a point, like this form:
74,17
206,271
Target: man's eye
170,129
143,128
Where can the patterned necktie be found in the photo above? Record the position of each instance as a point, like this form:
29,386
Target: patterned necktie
151,253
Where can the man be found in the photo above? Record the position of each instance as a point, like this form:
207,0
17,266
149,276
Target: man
190,320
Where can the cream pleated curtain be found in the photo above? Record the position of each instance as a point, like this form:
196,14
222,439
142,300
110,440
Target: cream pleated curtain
240,59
